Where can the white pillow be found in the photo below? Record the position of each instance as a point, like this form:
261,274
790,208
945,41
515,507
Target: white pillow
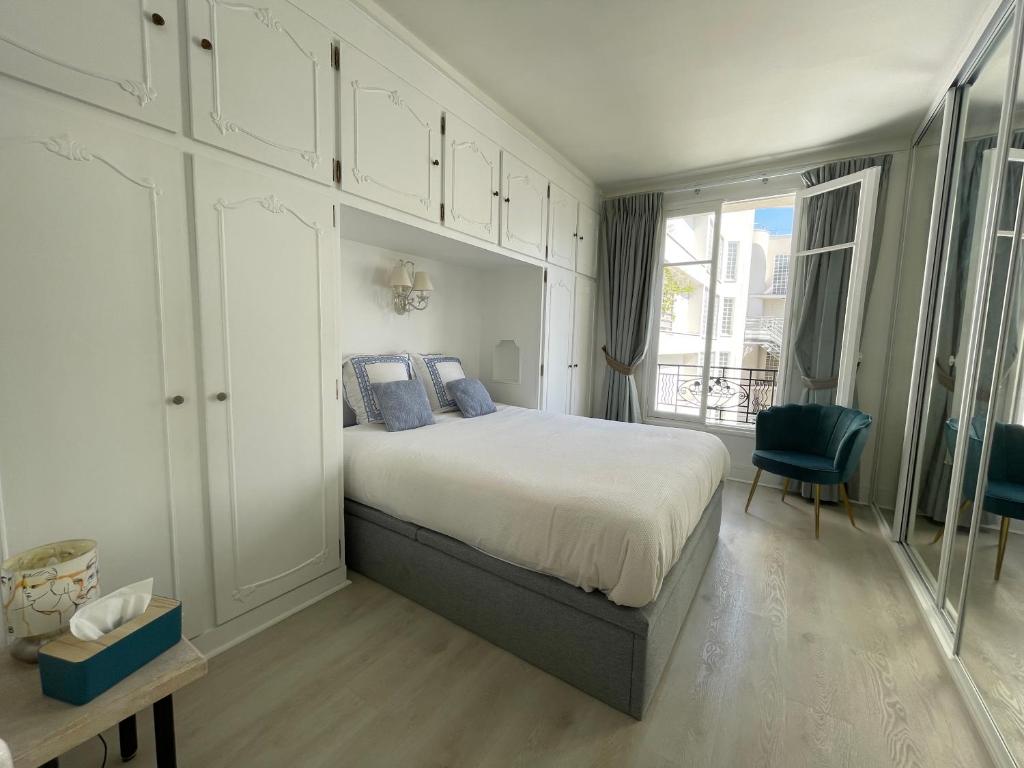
358,372
435,371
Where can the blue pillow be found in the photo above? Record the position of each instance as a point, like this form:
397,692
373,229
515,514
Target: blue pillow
472,398
403,404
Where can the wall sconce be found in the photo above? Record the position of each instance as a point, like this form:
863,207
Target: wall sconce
409,288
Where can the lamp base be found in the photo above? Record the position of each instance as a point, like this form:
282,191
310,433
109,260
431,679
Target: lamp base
27,648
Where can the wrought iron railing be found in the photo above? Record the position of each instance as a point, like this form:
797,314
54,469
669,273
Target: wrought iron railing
734,395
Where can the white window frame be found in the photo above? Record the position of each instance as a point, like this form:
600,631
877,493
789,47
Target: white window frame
775,270
732,260
860,247
710,321
730,303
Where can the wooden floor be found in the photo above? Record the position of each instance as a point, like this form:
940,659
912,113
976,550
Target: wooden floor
796,653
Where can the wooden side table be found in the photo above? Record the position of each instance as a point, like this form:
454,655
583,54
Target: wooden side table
39,729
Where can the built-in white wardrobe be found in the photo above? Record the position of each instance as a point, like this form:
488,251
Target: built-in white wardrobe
169,279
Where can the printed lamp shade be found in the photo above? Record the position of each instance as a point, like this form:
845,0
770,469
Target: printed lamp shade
43,587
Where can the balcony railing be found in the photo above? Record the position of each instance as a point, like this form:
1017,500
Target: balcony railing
766,331
734,395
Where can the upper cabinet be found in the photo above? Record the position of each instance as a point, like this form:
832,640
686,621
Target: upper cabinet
562,228
390,138
472,183
261,84
117,55
586,241
524,194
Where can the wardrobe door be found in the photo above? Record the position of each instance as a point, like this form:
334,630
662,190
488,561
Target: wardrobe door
562,228
586,246
524,194
261,84
97,339
585,301
116,54
268,260
558,340
472,183
390,138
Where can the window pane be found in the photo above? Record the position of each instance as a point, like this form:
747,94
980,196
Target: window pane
748,312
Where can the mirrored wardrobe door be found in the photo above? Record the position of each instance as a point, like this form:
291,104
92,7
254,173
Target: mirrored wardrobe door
930,546
992,604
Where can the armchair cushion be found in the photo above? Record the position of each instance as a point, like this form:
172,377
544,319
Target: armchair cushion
811,443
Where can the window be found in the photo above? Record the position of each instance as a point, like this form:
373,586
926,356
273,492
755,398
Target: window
719,342
725,315
780,275
732,257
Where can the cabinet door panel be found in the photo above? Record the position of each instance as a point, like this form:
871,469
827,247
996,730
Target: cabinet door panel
263,89
390,138
558,340
524,195
585,302
472,182
586,248
562,228
97,337
268,261
106,52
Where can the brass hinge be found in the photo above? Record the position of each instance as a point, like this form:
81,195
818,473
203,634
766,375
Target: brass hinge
442,213
549,191
444,124
545,271
335,56
337,171
545,254
542,369
334,221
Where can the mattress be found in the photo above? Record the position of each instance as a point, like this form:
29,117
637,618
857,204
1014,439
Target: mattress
599,504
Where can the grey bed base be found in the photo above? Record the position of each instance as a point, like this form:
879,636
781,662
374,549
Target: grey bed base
614,653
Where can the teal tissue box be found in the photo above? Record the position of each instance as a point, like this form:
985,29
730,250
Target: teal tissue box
77,671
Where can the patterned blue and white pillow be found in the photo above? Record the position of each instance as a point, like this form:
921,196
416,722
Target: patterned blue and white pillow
358,372
435,371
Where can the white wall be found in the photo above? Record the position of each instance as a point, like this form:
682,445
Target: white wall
369,324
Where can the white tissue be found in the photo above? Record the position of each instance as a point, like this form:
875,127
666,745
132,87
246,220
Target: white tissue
95,619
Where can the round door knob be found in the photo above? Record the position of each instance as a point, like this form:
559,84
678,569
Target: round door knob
205,44
177,399
496,193
581,237
507,200
435,162
158,19
222,396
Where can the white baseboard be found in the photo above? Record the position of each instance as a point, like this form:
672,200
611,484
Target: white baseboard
230,634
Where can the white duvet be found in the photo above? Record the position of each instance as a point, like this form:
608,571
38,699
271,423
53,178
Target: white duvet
599,504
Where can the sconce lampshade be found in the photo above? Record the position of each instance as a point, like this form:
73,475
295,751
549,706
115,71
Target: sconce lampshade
400,277
422,282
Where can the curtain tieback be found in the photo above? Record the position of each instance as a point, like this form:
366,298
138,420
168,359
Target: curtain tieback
615,365
814,384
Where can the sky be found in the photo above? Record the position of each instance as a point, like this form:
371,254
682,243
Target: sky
778,221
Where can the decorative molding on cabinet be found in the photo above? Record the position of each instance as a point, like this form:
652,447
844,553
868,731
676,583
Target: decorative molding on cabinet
224,125
396,100
141,89
495,182
271,204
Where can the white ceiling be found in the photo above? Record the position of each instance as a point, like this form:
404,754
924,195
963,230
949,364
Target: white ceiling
631,89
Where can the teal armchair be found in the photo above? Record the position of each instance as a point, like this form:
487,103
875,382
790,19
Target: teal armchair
818,444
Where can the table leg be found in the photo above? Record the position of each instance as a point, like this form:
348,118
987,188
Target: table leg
55,763
128,738
163,728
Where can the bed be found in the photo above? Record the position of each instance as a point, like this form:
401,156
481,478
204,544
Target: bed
577,544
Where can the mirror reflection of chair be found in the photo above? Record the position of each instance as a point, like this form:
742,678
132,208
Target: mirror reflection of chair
810,443
1004,494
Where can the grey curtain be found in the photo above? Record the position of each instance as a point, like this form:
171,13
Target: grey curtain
822,281
629,263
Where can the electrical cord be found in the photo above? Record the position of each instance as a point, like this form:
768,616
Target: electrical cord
104,742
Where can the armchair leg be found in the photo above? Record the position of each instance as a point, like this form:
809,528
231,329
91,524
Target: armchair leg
1004,535
846,503
817,511
785,487
753,487
959,513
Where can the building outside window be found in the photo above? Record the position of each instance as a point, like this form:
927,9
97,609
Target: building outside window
725,315
732,257
780,274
